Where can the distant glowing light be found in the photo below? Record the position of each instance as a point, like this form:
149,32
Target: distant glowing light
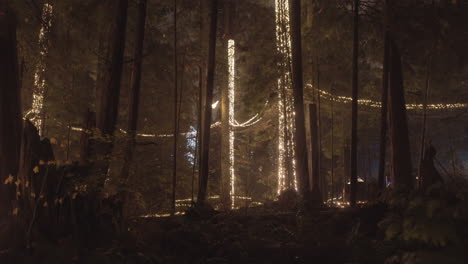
161,215
215,104
191,138
39,78
188,202
358,180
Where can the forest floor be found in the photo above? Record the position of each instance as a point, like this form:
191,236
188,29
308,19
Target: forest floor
253,235
262,236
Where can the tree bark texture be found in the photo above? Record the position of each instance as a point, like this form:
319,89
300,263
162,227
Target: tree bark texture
383,116
225,100
10,119
109,85
400,153
298,95
207,110
316,194
354,111
134,99
176,116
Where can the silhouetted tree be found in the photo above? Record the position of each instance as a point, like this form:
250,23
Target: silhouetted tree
207,109
354,111
108,86
316,193
383,115
400,152
10,120
176,115
298,93
134,99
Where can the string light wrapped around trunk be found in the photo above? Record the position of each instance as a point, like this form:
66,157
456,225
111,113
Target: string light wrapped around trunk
231,94
39,78
286,164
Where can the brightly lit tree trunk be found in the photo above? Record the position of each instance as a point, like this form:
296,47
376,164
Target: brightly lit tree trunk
298,92
10,121
225,129
225,111
39,75
207,108
287,178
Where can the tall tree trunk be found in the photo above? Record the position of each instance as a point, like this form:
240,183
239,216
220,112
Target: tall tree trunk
298,94
288,135
197,153
354,111
10,120
426,95
424,124
384,117
109,86
205,139
316,193
134,99
225,101
203,20
332,143
383,111
322,177
400,153
176,116
225,161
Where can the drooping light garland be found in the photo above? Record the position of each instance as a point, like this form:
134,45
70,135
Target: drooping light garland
232,120
376,104
285,100
39,78
256,118
188,202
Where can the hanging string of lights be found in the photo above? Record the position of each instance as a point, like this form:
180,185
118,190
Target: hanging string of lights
375,104
30,115
285,101
39,78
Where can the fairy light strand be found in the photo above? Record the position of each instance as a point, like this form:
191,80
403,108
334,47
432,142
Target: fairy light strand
376,104
30,114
